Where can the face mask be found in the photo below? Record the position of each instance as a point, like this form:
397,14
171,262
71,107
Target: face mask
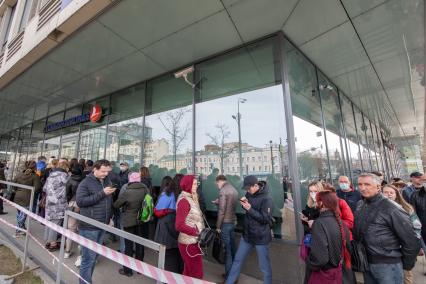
344,186
122,169
313,195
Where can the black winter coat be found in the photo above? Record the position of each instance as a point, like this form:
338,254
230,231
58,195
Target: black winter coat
124,177
131,202
165,232
72,185
351,197
390,237
256,229
418,200
93,201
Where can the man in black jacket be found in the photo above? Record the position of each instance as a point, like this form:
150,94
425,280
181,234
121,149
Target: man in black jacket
257,230
94,197
387,233
348,193
418,201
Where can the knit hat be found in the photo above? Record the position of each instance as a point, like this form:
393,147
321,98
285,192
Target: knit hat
186,183
135,177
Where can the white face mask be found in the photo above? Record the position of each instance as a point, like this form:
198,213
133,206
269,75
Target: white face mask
313,195
344,186
122,169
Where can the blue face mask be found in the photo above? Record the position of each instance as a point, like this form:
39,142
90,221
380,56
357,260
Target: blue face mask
344,186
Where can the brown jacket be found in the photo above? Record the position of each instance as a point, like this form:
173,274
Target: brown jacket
23,196
228,198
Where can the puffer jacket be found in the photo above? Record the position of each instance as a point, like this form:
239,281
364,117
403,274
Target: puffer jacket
257,228
131,202
56,197
390,237
72,186
23,196
93,202
418,201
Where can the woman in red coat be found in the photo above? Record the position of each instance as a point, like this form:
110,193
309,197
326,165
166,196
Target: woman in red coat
189,223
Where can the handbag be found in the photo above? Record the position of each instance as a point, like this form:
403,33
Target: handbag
219,249
206,235
329,276
359,259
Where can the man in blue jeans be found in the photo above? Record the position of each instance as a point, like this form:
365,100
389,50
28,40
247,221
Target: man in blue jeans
94,198
226,218
257,230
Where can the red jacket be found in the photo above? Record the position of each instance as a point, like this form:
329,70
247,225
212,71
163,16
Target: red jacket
347,216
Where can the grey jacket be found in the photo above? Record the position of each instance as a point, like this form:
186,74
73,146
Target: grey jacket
56,197
131,203
228,198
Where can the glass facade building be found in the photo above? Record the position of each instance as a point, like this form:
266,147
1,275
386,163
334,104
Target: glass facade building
261,109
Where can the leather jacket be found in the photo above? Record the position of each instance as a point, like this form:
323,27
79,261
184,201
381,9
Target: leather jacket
390,236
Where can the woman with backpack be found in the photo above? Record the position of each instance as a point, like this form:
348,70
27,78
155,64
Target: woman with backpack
165,233
130,201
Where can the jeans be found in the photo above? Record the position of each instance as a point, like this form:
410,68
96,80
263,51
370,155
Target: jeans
228,237
35,201
88,257
263,260
384,273
1,202
21,217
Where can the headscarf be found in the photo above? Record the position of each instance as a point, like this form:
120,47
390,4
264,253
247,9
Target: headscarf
186,183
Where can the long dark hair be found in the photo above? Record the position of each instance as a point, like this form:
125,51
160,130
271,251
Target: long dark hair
175,186
166,185
328,199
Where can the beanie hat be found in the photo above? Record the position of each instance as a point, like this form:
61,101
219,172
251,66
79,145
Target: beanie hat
134,177
186,183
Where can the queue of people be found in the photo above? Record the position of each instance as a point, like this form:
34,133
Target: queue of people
388,220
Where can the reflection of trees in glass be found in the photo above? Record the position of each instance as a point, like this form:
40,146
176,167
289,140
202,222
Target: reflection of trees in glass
219,140
173,123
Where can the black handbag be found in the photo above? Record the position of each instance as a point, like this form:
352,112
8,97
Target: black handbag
206,235
219,249
359,259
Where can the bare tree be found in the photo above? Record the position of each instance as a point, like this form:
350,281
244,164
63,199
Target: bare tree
172,122
219,140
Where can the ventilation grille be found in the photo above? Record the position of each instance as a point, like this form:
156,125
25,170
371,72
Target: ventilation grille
1,59
14,46
49,10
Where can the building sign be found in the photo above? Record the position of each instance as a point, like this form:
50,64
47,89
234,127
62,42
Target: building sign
94,115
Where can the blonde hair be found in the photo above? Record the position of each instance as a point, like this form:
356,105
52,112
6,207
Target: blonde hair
63,165
400,200
318,184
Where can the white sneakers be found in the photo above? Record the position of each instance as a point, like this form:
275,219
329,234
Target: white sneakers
67,254
78,261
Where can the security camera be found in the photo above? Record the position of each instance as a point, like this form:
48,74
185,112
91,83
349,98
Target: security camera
184,72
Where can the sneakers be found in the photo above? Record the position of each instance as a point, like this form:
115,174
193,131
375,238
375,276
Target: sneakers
78,261
67,254
19,234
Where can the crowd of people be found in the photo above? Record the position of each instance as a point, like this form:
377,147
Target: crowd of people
384,221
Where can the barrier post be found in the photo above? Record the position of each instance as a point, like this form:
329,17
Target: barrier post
161,258
27,238
62,251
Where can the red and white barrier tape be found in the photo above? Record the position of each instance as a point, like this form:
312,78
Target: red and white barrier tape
54,257
134,264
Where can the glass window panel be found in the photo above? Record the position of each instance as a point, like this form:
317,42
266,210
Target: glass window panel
69,140
4,142
351,137
25,14
309,134
12,151
37,137
93,134
52,139
362,138
168,128
234,141
23,145
125,137
372,146
334,126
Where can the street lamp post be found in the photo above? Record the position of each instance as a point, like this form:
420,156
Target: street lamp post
272,157
238,119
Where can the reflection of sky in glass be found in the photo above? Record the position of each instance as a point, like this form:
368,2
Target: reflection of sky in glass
262,117
307,136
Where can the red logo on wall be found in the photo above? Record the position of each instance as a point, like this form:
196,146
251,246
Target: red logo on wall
95,113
